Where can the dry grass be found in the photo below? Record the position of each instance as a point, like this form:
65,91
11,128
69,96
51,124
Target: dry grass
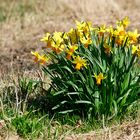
126,131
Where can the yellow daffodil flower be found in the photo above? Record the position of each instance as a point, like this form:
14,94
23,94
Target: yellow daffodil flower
89,24
45,38
61,48
65,36
119,40
99,78
108,49
84,27
102,30
58,48
120,31
136,50
80,62
110,30
85,41
37,56
125,22
71,50
42,59
81,26
73,34
49,44
133,36
57,37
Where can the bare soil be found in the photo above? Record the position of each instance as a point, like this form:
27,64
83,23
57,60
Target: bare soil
126,131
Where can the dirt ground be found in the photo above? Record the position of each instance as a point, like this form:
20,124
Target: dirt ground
130,131
24,22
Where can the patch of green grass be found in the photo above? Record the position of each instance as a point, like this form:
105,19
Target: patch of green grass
26,126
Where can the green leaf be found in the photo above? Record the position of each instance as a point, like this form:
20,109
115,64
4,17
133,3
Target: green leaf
81,76
83,102
59,92
122,100
73,93
66,111
73,85
67,68
126,82
58,105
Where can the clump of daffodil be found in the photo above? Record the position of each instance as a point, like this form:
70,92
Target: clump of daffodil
92,69
79,62
99,78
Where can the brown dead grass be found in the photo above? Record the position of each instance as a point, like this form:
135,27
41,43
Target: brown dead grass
126,131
